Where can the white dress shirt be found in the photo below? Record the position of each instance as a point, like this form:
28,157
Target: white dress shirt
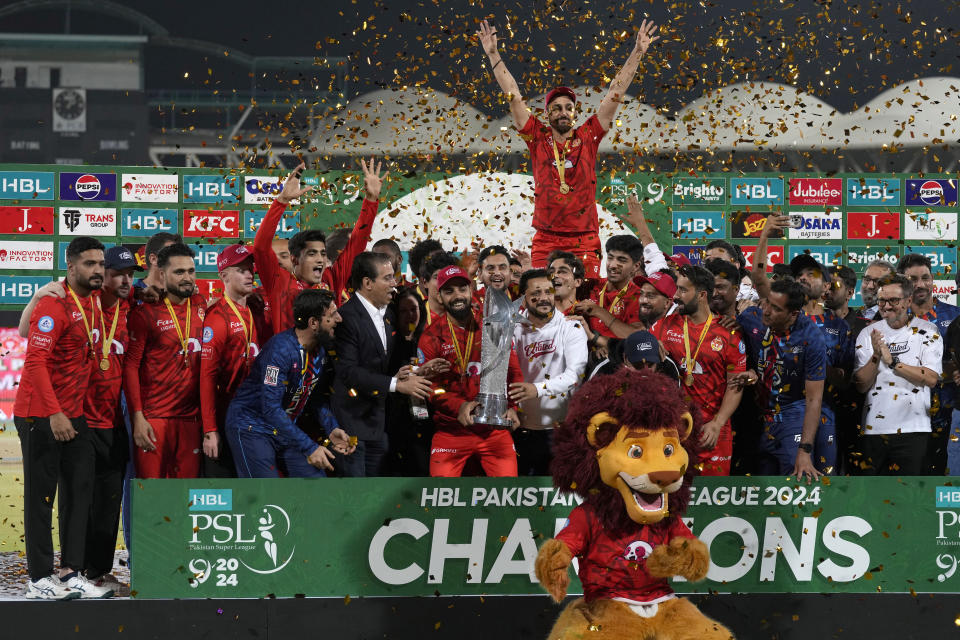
378,316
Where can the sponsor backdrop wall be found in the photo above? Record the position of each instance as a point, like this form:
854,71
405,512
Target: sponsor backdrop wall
433,536
846,219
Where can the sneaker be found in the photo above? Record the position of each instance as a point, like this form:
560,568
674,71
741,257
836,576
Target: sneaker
50,588
87,590
110,581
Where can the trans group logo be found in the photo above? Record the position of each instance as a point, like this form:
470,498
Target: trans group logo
931,193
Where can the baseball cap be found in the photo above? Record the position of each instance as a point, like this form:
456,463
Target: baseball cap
120,257
805,261
232,255
560,91
680,260
641,346
659,281
448,274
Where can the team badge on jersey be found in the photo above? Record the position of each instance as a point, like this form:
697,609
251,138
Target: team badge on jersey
207,334
742,347
271,375
717,344
45,324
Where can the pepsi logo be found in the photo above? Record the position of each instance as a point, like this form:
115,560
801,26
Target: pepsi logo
88,187
931,192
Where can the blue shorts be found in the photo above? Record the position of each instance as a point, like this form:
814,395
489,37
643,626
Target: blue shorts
780,440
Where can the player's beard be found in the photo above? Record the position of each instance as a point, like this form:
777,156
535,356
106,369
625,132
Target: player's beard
541,315
93,283
463,315
325,339
180,291
688,308
562,127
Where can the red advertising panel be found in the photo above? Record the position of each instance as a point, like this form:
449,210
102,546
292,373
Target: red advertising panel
27,220
816,192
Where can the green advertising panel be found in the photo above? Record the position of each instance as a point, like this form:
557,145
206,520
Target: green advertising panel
420,537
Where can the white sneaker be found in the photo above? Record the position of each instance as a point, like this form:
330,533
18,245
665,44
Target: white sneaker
87,589
50,588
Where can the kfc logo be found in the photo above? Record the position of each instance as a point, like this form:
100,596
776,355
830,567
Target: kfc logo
216,223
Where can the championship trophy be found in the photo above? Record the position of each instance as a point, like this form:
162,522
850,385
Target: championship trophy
500,315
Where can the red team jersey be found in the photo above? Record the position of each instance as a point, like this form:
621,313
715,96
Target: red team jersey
614,566
156,378
225,359
555,212
58,364
623,303
436,343
282,287
103,394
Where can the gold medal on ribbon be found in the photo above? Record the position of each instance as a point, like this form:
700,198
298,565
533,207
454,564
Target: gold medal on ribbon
691,361
184,336
561,161
564,188
86,324
463,357
104,364
247,326
108,338
689,380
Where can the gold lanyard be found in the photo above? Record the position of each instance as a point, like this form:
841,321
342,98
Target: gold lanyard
86,323
183,335
561,164
462,358
247,329
108,340
691,361
617,299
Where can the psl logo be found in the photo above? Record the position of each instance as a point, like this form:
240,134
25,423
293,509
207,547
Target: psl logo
265,528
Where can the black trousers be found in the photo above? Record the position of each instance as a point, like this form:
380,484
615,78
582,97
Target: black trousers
533,451
896,454
47,465
111,452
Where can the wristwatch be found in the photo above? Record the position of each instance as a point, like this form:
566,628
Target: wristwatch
894,361
805,446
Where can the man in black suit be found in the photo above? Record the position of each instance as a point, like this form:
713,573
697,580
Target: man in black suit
364,342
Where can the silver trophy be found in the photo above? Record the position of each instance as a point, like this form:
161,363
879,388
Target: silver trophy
500,314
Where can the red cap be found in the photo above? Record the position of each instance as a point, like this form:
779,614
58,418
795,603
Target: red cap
233,255
680,260
560,91
453,272
661,282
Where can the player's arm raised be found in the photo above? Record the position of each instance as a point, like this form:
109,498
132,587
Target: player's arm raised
509,86
618,88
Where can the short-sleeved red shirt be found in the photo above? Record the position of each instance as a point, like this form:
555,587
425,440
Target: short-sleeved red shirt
614,566
103,394
624,304
723,352
553,211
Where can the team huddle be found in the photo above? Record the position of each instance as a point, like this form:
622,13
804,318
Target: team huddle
334,364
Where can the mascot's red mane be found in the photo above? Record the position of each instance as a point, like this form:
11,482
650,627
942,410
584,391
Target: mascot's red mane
635,398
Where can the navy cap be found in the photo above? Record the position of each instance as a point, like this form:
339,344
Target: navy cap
118,258
806,261
641,346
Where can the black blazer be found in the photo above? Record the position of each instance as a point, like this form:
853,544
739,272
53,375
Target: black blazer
362,371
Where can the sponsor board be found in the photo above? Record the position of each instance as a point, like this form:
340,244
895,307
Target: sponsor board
262,189
943,259
210,288
775,255
873,225
945,291
26,185
924,192
36,221
936,225
87,221
869,192
818,225
699,191
88,187
22,254
149,187
816,192
211,189
858,257
750,224
756,191
823,253
62,253
698,224
146,222
211,223
289,223
19,289
206,256
694,253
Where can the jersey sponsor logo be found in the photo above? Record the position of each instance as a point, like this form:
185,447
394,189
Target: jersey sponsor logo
41,341
717,344
540,348
442,450
270,375
207,334
931,193
164,324
237,327
45,324
816,191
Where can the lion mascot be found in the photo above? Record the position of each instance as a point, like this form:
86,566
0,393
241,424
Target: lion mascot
624,448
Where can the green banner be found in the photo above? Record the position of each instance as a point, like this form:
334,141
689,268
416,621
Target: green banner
419,537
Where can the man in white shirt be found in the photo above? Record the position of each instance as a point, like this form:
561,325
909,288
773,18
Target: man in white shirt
552,350
898,361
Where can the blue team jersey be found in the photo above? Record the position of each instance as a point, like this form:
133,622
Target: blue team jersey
279,387
837,337
943,396
784,362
